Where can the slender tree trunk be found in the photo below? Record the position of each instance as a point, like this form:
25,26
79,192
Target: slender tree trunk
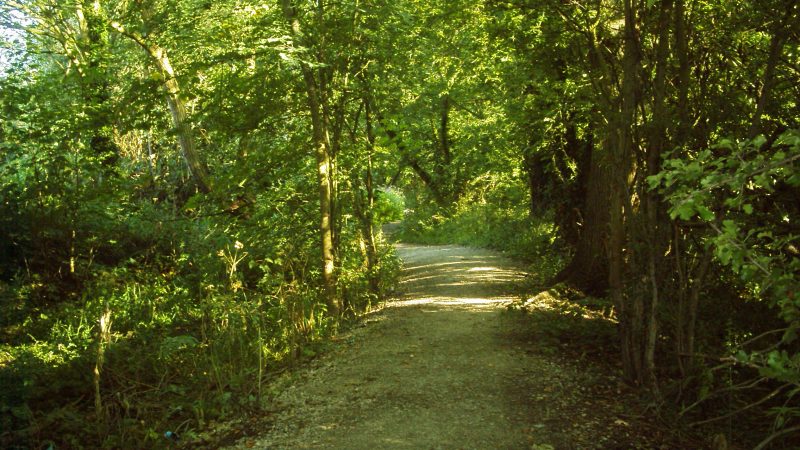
443,163
694,300
654,222
534,170
689,289
325,192
631,311
444,130
768,82
369,230
185,137
324,164
446,193
684,122
682,52
334,139
177,109
680,328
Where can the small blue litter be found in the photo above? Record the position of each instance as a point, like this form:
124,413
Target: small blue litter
171,436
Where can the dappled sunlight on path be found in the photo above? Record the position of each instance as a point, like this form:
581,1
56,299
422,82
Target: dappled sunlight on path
471,302
439,367
448,275
431,369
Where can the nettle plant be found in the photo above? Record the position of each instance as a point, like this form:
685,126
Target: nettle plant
746,196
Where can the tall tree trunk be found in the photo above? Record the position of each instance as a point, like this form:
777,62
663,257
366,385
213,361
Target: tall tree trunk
686,313
768,82
691,279
631,311
177,108
698,280
369,218
682,52
654,221
588,268
334,139
180,120
446,193
324,165
443,165
533,164
444,130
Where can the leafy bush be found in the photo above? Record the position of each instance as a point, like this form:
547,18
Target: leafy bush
202,309
743,197
389,206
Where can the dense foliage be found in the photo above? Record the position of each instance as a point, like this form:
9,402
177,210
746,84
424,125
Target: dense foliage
160,256
191,192
661,136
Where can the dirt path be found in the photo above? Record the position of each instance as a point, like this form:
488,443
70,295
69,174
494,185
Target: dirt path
442,367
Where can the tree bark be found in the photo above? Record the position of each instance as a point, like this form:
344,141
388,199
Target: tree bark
534,170
768,82
588,268
368,216
177,109
654,221
321,144
444,130
682,52
631,310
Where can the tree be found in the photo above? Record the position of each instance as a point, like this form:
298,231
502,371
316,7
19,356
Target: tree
177,107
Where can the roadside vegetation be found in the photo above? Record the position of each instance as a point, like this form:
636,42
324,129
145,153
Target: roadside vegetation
192,193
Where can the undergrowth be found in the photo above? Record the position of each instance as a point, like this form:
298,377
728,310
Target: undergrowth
200,311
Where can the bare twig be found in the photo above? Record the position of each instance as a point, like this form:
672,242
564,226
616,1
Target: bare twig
767,333
773,436
741,386
744,408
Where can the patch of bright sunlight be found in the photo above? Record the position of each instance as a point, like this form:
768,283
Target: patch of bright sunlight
474,302
483,269
546,301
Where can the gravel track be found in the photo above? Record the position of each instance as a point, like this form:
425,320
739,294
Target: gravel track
443,366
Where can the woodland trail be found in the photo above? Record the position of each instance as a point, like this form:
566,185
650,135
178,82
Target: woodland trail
444,366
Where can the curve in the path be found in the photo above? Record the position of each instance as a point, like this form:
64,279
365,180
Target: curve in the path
431,370
443,367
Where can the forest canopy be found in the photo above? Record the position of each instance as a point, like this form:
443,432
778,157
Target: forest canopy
192,191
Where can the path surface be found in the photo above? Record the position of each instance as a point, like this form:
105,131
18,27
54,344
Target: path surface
442,367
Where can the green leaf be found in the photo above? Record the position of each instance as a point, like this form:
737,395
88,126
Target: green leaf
742,356
685,211
655,180
790,335
705,213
